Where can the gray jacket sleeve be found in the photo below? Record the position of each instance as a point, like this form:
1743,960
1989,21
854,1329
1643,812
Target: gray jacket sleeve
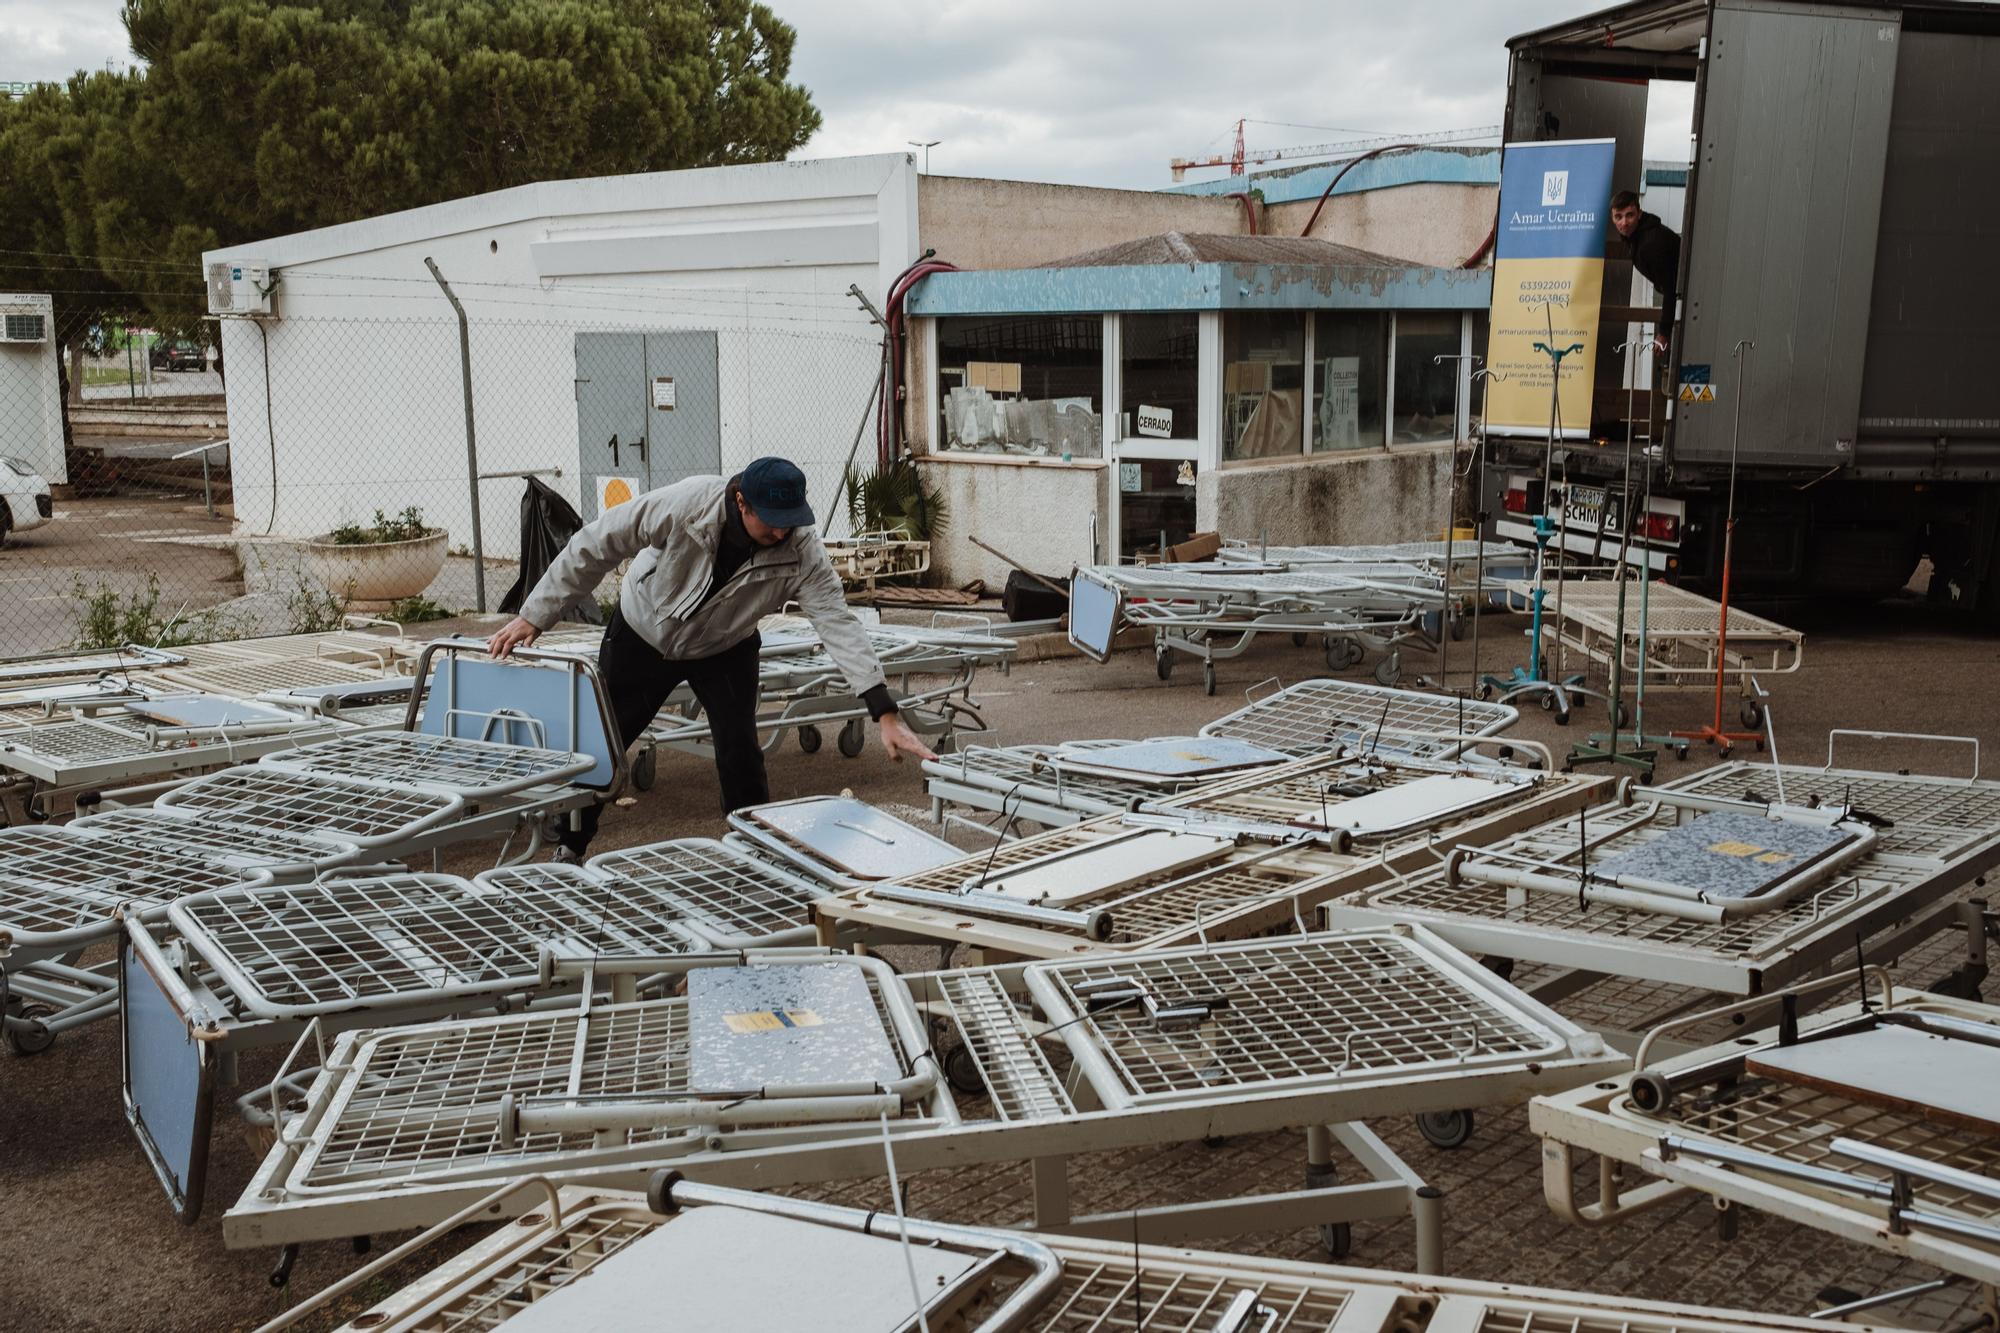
618,534
824,601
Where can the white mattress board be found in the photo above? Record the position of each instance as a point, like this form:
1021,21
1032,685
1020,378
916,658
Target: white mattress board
1944,1079
723,1268
1116,864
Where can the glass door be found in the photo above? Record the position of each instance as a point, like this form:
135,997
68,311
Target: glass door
1155,447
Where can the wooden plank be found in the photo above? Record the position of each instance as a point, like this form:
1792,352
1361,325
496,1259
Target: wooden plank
1946,1081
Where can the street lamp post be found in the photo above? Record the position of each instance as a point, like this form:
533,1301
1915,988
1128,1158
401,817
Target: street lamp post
926,145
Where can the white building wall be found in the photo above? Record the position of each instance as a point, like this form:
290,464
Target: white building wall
365,404
31,394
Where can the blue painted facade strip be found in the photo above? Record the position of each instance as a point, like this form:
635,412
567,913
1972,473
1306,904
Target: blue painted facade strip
1121,288
1439,166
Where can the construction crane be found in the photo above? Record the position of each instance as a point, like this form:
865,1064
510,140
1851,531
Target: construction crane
1238,159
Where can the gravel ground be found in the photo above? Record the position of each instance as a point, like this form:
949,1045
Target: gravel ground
97,1248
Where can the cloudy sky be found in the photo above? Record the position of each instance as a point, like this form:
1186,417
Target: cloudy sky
1097,92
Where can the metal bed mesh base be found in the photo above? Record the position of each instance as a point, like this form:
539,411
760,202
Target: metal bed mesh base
1102,1286
1389,1016
1796,1123
1316,716
1944,832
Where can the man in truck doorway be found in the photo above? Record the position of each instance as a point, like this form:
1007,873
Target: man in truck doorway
1656,253
709,558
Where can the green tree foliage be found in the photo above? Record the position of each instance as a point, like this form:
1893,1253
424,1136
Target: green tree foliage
252,119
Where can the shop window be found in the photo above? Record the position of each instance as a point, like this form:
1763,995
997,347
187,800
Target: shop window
1031,385
1159,376
1351,368
1263,384
1426,406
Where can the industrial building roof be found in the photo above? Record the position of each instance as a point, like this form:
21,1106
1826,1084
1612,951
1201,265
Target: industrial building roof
1179,271
1174,247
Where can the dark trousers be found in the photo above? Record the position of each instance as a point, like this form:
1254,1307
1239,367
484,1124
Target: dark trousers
638,680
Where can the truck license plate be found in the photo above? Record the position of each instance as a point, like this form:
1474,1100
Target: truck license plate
1583,504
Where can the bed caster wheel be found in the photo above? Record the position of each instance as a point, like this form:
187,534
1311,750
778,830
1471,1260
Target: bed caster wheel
1337,1238
1651,1093
1208,677
1344,652
1298,641
361,1244
645,769
1548,702
1722,750
1562,715
1163,666
1751,714
962,1071
1502,968
1457,627
281,1272
810,739
1389,670
26,1033
1446,1129
1624,716
852,737
1483,693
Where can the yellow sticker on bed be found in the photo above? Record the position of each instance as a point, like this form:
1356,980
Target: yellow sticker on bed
1735,848
771,1020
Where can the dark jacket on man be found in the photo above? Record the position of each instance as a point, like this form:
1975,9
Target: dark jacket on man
1656,253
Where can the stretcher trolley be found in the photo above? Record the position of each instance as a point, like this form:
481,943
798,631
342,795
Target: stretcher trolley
241,970
1317,716
63,888
474,764
1740,878
1876,1121
1226,860
1214,611
114,740
91,664
1678,644
601,1258
802,691
1058,784
792,1067
1025,787
488,749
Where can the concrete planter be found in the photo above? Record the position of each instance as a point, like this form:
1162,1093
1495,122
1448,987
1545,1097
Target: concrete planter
373,577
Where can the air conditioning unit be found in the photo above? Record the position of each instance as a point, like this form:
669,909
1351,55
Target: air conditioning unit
19,324
240,287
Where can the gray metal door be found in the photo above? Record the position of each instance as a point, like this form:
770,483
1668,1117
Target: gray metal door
611,419
1787,195
683,414
647,412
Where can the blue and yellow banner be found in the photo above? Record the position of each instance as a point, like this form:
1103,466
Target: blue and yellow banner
1548,280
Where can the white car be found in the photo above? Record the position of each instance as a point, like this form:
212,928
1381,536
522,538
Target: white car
24,499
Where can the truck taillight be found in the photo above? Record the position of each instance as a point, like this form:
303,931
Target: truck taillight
1515,501
1663,528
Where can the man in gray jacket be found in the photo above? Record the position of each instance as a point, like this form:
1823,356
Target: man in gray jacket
709,559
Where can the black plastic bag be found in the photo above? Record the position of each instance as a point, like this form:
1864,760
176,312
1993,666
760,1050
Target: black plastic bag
547,524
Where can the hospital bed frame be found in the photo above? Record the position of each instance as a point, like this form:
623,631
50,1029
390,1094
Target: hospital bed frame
571,1231
1280,870
1906,1178
402,1128
1943,833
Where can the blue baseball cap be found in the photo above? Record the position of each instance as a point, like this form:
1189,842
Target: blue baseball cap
776,490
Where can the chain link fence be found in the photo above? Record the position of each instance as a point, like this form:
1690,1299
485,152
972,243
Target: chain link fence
269,476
